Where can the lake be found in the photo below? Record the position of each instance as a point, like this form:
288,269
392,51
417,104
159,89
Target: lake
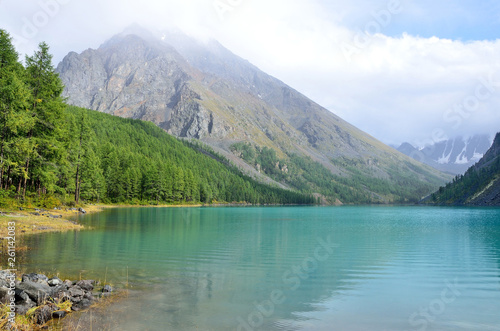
287,268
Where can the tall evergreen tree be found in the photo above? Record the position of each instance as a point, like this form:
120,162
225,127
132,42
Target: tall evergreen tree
15,118
48,107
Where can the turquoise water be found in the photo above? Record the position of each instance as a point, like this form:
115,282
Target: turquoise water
289,268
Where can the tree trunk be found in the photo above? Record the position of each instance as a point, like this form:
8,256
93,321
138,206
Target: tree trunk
19,187
26,178
77,179
8,180
77,184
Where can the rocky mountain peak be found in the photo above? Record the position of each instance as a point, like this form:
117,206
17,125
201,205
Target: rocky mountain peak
453,155
201,90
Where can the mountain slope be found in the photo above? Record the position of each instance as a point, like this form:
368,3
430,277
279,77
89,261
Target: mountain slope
479,186
203,91
138,162
454,156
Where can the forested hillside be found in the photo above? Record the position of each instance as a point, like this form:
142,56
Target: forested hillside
480,185
52,153
202,91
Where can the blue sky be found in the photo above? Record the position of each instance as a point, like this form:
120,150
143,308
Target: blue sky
409,82
460,20
464,20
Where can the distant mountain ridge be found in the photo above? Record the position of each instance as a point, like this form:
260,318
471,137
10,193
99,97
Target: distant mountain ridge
479,186
454,156
203,91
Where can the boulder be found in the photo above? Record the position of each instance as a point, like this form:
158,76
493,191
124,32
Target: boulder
59,314
54,281
5,275
86,285
36,291
81,210
4,283
76,292
23,302
44,313
107,289
4,295
83,304
35,278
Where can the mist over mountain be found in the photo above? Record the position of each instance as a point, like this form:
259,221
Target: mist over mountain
201,90
454,156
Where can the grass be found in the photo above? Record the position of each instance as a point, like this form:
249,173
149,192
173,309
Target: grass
26,223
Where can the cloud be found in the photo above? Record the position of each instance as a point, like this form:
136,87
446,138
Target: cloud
396,86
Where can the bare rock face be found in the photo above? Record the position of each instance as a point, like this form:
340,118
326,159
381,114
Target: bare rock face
134,78
201,90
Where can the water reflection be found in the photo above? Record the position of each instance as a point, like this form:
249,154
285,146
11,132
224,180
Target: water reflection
356,268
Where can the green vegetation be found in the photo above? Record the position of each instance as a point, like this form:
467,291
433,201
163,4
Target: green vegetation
50,151
468,187
359,184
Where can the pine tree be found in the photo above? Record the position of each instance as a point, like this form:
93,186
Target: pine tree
15,118
81,137
93,185
48,107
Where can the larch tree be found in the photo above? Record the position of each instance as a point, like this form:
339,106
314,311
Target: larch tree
47,105
15,116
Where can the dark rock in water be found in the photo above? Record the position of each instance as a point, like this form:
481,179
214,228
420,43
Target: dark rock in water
81,210
44,313
83,304
55,216
54,281
36,291
86,285
35,214
107,289
59,314
35,278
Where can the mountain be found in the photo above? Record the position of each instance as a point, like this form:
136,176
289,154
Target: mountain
479,186
454,156
200,90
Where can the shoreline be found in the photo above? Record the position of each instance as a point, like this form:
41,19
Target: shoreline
38,220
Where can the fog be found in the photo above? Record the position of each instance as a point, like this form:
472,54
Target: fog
399,70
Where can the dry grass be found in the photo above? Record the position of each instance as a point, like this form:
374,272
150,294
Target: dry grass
27,223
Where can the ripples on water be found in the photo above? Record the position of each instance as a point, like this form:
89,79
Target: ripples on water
211,268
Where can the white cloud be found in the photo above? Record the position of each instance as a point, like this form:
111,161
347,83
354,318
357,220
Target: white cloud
395,88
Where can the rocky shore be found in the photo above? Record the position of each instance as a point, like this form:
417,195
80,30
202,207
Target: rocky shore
41,299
